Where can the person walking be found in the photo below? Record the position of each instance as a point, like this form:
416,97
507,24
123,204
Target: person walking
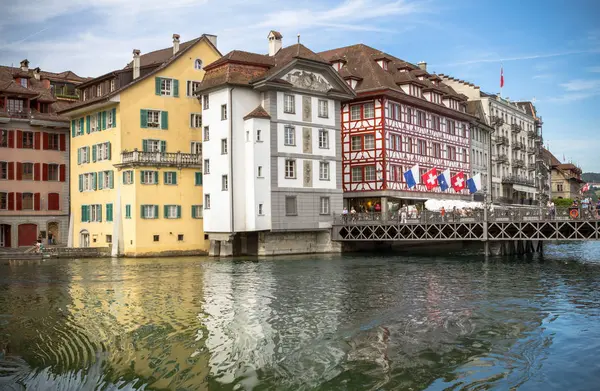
403,213
345,215
443,213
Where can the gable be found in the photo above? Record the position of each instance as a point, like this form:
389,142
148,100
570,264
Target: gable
307,80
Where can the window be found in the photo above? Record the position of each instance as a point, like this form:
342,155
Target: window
99,90
409,114
180,237
369,173
196,120
205,102
3,138
27,173
290,169
206,201
3,170
153,119
170,178
258,135
369,110
156,238
356,143
150,145
149,177
84,95
324,171
260,210
3,201
198,64
191,87
369,141
108,238
27,140
324,210
355,112
437,150
421,118
93,123
88,182
53,141
196,148
206,133
166,87
223,112
27,201
206,166
289,104
450,153
291,206
451,126
103,151
149,211
112,85
223,146
95,213
128,177
197,211
24,82
53,172
422,147
323,108
79,126
289,135
259,172
357,174
224,183
323,139
464,155
172,211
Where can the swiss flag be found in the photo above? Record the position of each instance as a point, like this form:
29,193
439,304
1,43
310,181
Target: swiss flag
458,182
501,77
429,179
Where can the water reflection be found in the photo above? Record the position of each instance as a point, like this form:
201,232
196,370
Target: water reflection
351,322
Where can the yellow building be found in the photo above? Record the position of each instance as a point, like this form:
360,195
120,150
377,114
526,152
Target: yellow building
136,154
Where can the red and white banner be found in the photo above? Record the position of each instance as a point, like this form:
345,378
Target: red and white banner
429,179
458,182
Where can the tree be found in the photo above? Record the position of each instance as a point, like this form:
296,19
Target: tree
562,202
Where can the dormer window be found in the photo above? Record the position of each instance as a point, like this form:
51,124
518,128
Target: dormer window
198,64
338,65
383,63
99,90
24,82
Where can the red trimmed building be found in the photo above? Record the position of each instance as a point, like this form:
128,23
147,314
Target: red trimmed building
402,116
34,155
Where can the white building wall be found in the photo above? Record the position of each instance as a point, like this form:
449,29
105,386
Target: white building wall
297,182
257,154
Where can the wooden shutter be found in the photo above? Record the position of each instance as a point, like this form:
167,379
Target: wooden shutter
44,172
165,177
100,212
144,145
73,129
11,170
53,201
166,211
83,213
94,182
198,179
100,180
36,171
127,211
63,142
36,201
108,149
143,118
114,117
11,201
156,211
11,138
156,177
163,146
80,182
109,209
94,152
142,214
19,171
164,120
78,155
111,180
176,88
103,120
178,211
193,212
37,143
174,177
45,140
124,176
87,123
62,174
19,198
19,139
157,81
81,126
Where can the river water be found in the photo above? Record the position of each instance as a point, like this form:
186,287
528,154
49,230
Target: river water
433,320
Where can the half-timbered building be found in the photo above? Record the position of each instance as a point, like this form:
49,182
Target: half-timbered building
402,116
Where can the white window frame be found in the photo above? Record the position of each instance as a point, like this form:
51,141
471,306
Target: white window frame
371,111
166,86
112,85
128,177
369,141
153,119
199,211
106,179
224,147
354,172
261,211
324,205
93,123
224,112
323,139
259,172
352,145
206,166
149,212
290,169
190,87
205,102
324,171
99,90
95,213
102,151
148,177
171,178
171,212
152,145
224,183
258,136
196,148
87,181
206,201
289,103
78,127
196,120
109,119
206,134
323,108
370,174
198,64
355,112
84,155
289,135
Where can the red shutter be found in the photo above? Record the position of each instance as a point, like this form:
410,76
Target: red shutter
44,171
36,171
11,201
53,201
19,171
11,138
19,139
36,201
36,140
63,142
11,170
19,197
45,140
62,173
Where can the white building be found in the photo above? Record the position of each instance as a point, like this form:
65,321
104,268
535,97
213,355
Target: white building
271,150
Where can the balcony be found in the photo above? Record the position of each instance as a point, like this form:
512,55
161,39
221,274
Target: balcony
531,134
496,121
517,180
501,140
23,113
501,159
531,150
516,128
531,167
517,145
159,159
519,163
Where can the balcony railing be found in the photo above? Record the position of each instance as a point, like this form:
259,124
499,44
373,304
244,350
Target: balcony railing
518,163
518,180
531,134
531,150
496,121
158,159
516,128
24,113
501,140
531,167
501,159
517,145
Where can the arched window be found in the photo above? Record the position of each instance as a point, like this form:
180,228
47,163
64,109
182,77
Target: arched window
198,64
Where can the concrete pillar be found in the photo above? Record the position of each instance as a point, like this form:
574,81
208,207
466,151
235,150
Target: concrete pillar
226,248
384,207
243,244
71,228
117,234
215,248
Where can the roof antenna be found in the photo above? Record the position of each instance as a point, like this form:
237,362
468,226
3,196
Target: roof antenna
298,38
297,54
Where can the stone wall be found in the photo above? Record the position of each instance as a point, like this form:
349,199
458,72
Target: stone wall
286,243
42,225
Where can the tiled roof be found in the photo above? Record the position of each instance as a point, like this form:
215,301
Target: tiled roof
276,34
158,57
258,112
284,56
528,107
241,56
63,76
553,160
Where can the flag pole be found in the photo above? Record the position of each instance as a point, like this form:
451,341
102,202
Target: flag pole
501,78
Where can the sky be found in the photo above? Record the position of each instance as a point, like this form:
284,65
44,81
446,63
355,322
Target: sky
549,50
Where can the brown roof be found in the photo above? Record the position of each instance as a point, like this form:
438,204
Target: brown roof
550,157
158,57
528,107
240,56
286,55
258,112
63,76
276,34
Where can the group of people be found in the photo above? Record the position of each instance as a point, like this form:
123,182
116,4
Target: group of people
577,208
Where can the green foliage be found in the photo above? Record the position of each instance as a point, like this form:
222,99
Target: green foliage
591,176
562,202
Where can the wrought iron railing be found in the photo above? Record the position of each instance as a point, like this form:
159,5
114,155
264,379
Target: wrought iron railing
517,145
515,179
496,121
531,134
21,113
174,159
501,159
516,128
519,163
501,140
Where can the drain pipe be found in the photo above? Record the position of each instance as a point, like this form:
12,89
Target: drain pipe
231,163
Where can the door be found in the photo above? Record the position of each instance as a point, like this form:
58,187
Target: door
53,232
84,239
4,235
27,234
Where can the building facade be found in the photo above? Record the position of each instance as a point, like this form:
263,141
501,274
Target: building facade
566,179
271,151
480,146
516,145
136,154
34,157
401,116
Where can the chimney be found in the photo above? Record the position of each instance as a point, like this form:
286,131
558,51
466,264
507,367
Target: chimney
175,43
212,39
423,65
36,73
136,63
25,65
275,42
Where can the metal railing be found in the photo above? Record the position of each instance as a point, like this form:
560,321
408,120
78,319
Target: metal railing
515,179
496,121
517,145
176,159
518,163
531,134
516,128
501,159
501,140
24,113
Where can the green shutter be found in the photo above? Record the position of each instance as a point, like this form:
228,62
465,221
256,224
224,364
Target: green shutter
193,212
143,118
156,211
198,179
109,212
145,145
73,128
103,120
111,180
166,211
80,182
142,214
114,112
100,212
176,88
108,148
100,180
163,146
81,125
156,177
178,211
157,85
142,177
83,213
94,153
124,172
164,120
78,155
87,122
165,177
94,177
127,211
174,173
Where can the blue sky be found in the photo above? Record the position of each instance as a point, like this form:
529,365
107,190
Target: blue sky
550,49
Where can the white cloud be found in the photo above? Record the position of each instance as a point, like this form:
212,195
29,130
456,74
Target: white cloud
523,57
594,69
581,85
